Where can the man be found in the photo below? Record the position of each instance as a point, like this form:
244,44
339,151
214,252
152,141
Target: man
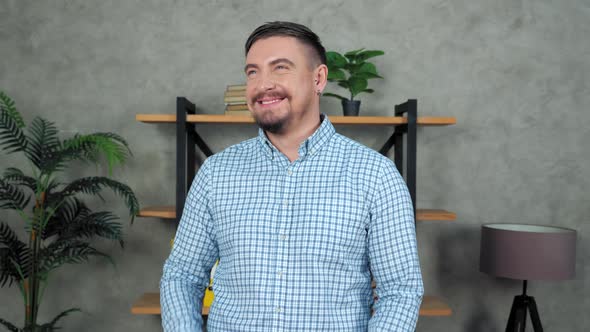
300,217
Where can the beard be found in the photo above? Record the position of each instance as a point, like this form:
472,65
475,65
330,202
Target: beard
268,122
273,126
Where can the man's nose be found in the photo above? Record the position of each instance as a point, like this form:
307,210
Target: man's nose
266,82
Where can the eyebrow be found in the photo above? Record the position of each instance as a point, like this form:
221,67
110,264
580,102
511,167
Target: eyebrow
272,63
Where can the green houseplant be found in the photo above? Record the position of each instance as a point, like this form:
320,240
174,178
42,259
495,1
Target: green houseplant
58,223
352,72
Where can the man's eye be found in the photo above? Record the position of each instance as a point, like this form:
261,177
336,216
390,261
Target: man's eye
281,67
250,72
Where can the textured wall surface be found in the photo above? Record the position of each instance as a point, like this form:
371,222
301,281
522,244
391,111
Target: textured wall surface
515,73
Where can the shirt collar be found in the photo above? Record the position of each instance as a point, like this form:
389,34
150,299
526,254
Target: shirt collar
309,146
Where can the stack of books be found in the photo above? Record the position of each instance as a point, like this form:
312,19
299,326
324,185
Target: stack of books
235,100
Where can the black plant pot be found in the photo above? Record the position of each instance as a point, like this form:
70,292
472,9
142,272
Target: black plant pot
351,107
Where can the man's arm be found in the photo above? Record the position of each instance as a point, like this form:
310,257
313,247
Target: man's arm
393,255
187,270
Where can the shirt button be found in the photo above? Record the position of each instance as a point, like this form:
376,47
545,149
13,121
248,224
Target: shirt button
278,309
280,274
289,172
283,237
285,203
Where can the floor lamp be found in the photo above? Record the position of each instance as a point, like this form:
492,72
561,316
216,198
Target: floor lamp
527,252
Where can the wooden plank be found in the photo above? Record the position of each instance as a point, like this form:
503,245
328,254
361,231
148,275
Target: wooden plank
433,214
335,119
149,304
169,212
434,306
165,212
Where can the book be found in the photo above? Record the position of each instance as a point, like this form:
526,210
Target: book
238,113
236,87
236,93
237,107
234,100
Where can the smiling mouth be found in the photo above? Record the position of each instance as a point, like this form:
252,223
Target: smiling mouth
270,101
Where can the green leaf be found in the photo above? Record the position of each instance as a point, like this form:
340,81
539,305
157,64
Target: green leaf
335,60
367,75
368,68
362,56
51,324
368,90
9,326
12,197
90,147
7,105
67,252
12,137
352,68
336,75
43,144
93,185
352,56
355,52
357,84
15,256
17,177
344,84
328,94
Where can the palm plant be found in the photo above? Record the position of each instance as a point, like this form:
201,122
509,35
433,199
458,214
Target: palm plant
58,223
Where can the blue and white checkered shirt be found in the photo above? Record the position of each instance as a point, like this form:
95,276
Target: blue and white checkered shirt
296,242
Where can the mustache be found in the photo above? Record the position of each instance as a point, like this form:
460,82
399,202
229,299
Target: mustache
269,95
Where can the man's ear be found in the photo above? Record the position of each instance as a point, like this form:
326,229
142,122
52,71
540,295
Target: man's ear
320,77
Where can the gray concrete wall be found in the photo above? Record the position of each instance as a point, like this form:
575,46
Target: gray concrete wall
515,73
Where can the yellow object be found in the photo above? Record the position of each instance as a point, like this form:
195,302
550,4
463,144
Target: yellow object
208,298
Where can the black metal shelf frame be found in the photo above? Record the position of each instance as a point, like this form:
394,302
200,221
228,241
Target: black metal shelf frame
187,137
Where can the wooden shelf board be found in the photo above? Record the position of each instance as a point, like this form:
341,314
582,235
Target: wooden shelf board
169,212
149,304
335,119
434,306
165,212
434,214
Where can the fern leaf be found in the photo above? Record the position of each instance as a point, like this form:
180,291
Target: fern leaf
93,186
43,145
9,326
12,197
70,209
12,137
51,325
90,147
17,177
97,224
67,252
15,256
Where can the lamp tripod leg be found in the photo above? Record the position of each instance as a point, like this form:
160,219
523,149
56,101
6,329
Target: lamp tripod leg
537,327
517,318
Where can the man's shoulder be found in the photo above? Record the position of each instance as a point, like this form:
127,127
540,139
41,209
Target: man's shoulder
356,151
234,154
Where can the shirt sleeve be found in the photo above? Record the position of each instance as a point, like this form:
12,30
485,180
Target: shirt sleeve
186,272
393,255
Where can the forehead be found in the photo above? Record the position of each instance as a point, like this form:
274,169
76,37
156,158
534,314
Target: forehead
267,49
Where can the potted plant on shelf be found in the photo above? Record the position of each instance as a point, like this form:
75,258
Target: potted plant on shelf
352,72
58,223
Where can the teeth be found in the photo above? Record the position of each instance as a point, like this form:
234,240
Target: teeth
269,101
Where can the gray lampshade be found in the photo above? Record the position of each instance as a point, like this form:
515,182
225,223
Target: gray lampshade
528,252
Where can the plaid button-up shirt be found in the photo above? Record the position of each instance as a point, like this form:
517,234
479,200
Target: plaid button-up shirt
297,242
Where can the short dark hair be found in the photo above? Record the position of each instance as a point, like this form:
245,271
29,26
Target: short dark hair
288,29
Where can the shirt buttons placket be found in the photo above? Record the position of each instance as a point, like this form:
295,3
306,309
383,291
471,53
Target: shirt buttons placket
283,243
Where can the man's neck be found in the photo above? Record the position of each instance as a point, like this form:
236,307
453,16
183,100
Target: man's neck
289,141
